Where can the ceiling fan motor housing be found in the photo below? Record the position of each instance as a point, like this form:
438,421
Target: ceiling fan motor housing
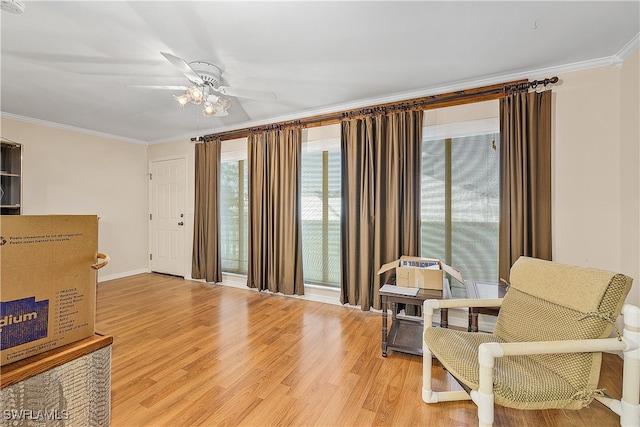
207,72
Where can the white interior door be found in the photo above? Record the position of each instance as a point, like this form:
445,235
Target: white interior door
168,188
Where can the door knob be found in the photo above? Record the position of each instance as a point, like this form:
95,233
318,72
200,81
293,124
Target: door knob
181,223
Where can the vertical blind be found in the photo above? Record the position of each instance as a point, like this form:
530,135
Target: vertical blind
321,214
233,216
460,204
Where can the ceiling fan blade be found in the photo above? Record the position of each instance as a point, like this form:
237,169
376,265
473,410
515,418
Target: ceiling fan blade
184,68
160,87
245,93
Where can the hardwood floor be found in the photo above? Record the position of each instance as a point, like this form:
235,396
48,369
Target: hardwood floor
190,354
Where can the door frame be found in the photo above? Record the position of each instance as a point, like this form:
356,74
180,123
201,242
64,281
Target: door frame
188,243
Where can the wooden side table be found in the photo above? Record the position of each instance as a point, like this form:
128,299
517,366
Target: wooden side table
479,290
405,334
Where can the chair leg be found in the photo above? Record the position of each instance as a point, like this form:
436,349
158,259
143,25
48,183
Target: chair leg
427,392
484,396
630,402
428,395
484,400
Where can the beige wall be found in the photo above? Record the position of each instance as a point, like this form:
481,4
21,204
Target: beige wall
67,172
586,173
630,172
595,171
462,113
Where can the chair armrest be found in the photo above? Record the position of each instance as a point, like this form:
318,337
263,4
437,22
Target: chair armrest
626,343
463,302
495,349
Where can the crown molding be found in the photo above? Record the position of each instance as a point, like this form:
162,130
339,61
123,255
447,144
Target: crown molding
629,48
69,128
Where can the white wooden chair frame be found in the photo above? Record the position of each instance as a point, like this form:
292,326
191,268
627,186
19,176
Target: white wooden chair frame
628,408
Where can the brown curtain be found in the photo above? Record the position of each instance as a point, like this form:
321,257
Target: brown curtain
525,178
206,260
380,200
275,233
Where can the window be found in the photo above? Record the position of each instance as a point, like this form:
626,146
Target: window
460,197
234,202
320,193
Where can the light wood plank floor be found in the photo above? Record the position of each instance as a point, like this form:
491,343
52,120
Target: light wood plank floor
190,354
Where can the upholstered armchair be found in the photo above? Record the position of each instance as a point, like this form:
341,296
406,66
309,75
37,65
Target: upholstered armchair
545,351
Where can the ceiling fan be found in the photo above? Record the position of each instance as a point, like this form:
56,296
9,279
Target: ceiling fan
206,79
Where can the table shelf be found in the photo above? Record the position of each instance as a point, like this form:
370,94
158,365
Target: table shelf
405,334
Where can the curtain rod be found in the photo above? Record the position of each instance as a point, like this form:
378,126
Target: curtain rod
484,93
526,85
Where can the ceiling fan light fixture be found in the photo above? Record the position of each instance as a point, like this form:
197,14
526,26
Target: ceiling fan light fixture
224,103
204,78
221,104
209,110
182,99
195,94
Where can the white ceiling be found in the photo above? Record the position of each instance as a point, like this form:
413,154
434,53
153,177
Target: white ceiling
73,63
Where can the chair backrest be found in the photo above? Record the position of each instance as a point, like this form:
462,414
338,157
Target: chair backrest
551,301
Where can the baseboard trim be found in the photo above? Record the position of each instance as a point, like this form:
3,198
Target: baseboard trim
121,275
457,317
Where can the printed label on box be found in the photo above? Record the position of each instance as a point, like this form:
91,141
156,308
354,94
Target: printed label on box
66,311
22,321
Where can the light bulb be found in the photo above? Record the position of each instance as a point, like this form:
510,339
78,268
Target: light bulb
209,110
195,94
182,99
224,103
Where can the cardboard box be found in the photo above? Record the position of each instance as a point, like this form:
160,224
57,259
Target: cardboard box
416,272
47,285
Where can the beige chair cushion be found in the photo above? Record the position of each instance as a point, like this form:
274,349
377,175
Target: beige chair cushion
578,288
519,381
546,301
555,321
